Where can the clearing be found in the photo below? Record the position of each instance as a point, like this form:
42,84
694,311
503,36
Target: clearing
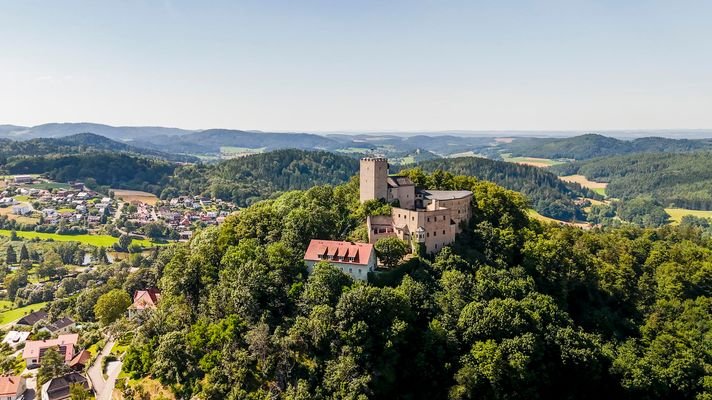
676,214
94,240
534,214
12,315
598,187
532,161
135,195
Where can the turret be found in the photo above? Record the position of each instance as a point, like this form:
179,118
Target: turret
373,178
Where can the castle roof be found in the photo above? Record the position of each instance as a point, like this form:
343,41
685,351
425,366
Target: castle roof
398,181
328,250
445,194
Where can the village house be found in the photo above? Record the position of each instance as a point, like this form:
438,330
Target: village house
18,179
32,318
35,349
144,300
430,218
62,325
354,259
21,209
58,388
80,361
12,387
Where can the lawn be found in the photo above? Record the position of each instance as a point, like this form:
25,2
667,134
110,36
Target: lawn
12,315
6,305
601,191
533,161
49,185
94,240
676,214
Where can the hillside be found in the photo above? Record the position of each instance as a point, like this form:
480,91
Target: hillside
548,195
247,179
674,179
589,146
77,144
71,128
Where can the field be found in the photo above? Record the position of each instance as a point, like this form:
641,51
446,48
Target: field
9,316
48,185
533,161
533,214
135,195
234,152
676,214
598,187
94,240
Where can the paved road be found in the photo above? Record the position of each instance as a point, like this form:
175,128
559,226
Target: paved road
102,387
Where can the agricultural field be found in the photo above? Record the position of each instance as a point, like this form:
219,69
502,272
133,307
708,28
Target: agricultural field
234,152
12,315
135,195
676,214
533,161
94,240
598,187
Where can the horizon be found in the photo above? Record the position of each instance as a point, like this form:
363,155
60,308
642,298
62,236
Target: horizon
372,67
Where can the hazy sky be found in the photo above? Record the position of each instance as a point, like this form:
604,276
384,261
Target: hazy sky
358,65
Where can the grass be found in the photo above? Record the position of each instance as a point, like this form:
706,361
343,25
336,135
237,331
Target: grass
22,198
12,315
240,150
601,191
49,185
94,240
533,161
676,214
6,305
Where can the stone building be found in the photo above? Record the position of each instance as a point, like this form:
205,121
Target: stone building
431,218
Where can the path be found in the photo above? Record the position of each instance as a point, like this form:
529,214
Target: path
104,387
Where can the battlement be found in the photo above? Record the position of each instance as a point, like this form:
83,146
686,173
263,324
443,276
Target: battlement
381,159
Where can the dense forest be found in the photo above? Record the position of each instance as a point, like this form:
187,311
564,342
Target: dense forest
78,144
248,179
548,194
110,169
589,146
673,179
513,310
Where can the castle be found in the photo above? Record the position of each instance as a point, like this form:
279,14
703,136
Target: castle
431,218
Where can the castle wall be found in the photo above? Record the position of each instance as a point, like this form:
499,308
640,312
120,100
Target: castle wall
373,175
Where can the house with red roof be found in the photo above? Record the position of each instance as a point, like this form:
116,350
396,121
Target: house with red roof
144,300
12,387
354,259
35,349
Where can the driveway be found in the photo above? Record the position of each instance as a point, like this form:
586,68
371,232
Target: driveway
104,387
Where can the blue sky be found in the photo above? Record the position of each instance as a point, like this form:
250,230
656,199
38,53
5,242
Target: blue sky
359,65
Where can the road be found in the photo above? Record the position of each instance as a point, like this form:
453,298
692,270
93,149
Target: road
104,387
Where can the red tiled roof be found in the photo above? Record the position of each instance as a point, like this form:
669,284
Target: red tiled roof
80,359
144,299
9,385
33,348
319,248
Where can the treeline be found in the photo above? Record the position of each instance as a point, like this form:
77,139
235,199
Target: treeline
514,310
548,194
248,179
78,144
589,146
673,179
108,169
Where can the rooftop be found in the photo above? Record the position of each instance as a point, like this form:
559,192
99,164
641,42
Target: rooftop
33,348
10,385
341,252
445,194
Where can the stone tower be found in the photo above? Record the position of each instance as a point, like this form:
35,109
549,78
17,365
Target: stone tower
373,179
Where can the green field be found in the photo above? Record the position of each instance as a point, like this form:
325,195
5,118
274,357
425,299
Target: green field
676,214
533,161
9,316
240,150
601,191
49,185
6,305
94,240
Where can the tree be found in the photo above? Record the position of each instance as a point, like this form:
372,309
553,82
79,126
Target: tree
24,253
124,242
77,391
155,230
11,257
391,250
51,266
111,306
52,365
13,236
14,282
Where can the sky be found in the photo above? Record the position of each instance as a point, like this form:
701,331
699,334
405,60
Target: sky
338,65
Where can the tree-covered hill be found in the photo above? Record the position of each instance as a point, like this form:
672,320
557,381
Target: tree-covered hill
674,179
513,310
77,144
548,194
256,177
589,146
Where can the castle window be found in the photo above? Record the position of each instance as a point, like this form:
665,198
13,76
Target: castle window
443,231
435,234
428,219
428,234
351,270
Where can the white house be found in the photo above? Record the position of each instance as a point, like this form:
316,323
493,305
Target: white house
354,259
21,209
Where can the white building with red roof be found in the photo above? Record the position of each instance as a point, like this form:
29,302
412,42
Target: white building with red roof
35,349
12,387
144,300
354,259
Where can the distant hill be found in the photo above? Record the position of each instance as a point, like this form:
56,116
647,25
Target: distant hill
52,130
673,179
78,143
548,194
589,146
256,177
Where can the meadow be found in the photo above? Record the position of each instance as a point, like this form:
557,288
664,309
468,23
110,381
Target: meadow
533,161
676,214
598,187
12,315
135,195
94,240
